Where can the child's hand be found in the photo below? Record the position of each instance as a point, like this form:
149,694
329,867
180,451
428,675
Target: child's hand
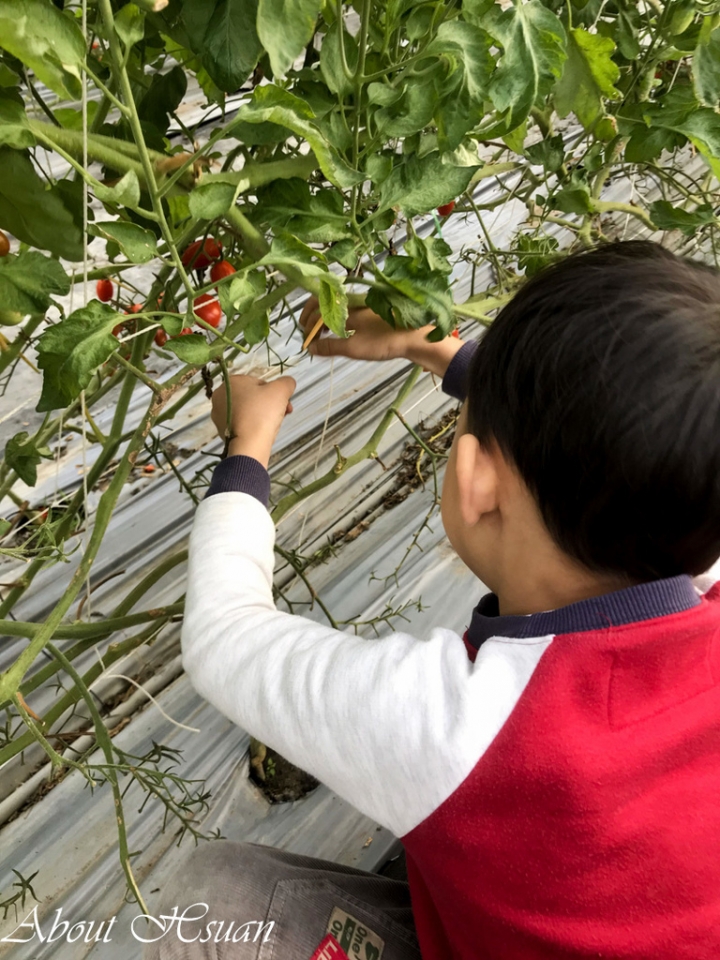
373,339
258,409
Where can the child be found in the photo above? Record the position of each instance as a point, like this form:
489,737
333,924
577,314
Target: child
555,778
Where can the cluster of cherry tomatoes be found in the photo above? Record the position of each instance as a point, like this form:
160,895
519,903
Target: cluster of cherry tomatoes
199,255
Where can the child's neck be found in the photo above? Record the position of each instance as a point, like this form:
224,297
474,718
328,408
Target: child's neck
546,579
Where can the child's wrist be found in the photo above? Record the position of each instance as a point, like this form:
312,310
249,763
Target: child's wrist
258,448
435,357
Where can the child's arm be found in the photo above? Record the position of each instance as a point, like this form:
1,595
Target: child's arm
392,725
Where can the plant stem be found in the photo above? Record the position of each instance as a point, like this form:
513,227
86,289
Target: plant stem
135,125
105,744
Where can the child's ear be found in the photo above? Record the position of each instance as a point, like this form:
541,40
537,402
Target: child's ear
477,479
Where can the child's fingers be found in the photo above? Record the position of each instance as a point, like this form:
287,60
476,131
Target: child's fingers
333,347
306,317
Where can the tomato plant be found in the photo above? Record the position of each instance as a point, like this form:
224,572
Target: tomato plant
332,137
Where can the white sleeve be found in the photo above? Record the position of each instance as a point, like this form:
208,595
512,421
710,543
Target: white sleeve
707,580
393,725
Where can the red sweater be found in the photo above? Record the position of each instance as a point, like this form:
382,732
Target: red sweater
591,825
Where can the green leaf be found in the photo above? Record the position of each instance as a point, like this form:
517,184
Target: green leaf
647,143
331,61
273,104
706,65
287,250
680,112
14,127
461,104
410,113
285,27
378,167
73,119
313,217
589,76
70,352
533,41
35,213
573,199
223,34
242,292
192,348
550,152
211,200
256,327
345,253
29,280
409,296
381,94
22,456
535,253
333,302
626,34
667,217
163,97
135,242
259,134
47,41
130,24
419,185
125,193
172,324
431,253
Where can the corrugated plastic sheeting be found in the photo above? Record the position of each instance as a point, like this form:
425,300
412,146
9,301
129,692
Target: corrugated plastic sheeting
70,834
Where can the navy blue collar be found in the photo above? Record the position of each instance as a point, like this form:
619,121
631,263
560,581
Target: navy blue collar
641,602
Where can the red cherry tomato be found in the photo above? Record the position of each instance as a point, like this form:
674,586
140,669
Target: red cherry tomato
221,269
208,309
198,258
446,209
185,331
4,245
455,333
135,308
161,338
116,331
105,290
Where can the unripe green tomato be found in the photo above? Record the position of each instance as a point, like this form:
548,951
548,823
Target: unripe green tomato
681,19
10,318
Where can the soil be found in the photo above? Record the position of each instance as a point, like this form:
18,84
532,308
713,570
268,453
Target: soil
283,781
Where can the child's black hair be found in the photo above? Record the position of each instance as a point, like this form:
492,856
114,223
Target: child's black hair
600,381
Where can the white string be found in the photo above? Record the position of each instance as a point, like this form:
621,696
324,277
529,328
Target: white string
83,409
139,686
321,444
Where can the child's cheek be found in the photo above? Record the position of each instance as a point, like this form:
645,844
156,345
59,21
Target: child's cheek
450,501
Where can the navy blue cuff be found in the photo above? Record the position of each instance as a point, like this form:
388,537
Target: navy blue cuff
455,381
241,475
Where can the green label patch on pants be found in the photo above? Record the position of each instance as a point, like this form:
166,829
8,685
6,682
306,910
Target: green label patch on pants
354,937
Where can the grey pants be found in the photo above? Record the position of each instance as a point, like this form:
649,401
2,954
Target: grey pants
242,901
